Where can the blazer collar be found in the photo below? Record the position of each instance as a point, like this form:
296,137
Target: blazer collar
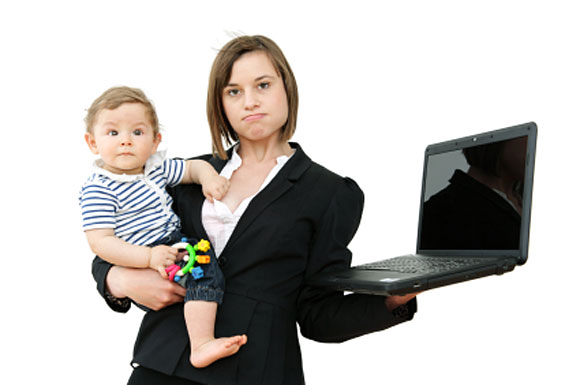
300,162
282,182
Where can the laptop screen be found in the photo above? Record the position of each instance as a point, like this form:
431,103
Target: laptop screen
473,196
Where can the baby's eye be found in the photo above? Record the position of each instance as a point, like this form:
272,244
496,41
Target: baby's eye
263,85
138,132
113,133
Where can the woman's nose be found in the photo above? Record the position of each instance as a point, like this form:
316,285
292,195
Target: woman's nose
251,101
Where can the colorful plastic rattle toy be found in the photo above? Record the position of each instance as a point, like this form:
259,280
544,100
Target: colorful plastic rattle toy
176,273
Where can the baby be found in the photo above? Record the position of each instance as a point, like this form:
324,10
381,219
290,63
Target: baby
127,215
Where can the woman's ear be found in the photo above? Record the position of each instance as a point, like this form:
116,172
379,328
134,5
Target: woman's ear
91,142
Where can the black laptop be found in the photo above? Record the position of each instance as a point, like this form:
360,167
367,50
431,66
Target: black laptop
474,217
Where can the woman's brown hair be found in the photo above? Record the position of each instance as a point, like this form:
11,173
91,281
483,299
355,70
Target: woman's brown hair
221,130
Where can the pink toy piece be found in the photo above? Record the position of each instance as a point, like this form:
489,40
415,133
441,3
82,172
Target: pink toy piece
172,270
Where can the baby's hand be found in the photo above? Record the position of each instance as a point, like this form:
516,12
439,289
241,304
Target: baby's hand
161,257
215,187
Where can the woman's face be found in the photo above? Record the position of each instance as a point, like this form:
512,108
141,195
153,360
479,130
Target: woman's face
255,99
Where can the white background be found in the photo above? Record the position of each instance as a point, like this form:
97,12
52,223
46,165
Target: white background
378,82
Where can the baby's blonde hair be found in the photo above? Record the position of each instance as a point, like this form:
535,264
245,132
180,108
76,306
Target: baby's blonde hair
113,98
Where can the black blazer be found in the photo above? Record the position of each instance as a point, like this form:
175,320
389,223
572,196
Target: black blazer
300,224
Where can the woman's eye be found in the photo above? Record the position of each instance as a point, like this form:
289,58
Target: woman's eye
233,92
263,85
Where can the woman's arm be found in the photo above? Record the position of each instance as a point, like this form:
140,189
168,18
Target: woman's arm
117,285
143,286
331,316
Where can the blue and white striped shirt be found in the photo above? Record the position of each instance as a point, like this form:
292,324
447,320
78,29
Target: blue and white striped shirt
137,207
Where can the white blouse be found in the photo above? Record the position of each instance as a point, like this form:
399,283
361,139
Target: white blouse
217,219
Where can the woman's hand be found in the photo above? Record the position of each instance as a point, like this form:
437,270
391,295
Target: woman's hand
395,301
144,286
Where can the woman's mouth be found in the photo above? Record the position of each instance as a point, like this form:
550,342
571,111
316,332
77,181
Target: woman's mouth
253,117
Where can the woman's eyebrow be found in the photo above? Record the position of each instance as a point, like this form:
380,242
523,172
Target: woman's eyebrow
261,77
264,77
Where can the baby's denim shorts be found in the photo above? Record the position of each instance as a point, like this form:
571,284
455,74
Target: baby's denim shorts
210,287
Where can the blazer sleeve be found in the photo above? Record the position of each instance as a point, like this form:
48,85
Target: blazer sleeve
100,269
331,316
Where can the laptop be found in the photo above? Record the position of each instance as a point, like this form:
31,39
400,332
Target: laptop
474,217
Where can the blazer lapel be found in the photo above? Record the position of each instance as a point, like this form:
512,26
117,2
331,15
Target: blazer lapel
277,187
218,163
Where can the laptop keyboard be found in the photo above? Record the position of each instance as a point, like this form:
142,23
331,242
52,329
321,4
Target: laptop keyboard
416,264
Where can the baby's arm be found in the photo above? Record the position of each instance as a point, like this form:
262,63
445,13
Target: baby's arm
114,250
213,185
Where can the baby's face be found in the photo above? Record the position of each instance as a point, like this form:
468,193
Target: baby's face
124,138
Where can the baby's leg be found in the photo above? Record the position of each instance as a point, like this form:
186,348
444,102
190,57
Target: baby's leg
205,348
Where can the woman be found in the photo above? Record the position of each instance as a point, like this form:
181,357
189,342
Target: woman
283,219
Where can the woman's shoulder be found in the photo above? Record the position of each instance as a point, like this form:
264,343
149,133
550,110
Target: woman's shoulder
322,178
326,176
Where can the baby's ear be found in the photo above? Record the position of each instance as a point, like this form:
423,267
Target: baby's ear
91,142
156,141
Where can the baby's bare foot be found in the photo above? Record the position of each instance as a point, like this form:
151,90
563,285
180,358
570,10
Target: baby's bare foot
210,351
